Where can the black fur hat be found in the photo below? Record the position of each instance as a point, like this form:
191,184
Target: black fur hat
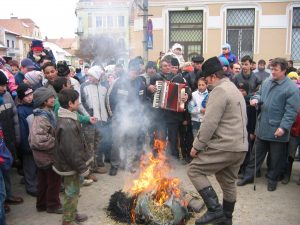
211,66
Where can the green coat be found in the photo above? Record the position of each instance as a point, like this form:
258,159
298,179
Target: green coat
81,118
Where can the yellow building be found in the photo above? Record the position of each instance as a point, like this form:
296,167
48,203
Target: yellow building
262,29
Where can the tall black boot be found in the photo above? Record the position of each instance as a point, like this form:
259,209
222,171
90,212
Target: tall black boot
214,213
288,172
228,208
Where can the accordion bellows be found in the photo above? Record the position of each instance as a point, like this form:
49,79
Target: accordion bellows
169,96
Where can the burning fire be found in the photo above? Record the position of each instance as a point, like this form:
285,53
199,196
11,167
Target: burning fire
153,177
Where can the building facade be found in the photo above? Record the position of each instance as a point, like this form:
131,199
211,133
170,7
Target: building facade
25,29
261,29
104,18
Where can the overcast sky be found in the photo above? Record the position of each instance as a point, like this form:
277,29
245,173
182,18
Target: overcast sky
56,18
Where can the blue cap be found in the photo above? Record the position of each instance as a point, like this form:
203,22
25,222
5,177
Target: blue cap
27,63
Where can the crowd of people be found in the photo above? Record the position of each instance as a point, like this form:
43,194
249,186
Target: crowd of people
60,125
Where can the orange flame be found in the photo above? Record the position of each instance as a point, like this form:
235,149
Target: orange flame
154,178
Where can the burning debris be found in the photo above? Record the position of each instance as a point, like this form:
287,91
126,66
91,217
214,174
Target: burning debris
155,197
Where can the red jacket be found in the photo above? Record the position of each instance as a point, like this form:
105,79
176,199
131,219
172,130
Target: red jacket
295,131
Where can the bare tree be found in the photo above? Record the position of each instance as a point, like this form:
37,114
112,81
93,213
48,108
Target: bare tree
99,49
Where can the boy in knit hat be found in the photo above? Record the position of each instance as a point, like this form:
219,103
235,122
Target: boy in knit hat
25,113
42,143
34,79
226,52
93,104
71,156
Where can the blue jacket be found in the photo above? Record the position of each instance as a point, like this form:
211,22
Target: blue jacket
25,113
280,104
230,57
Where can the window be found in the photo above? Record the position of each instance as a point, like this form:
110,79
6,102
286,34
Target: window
90,22
121,21
13,44
295,54
240,31
110,21
99,22
7,43
186,28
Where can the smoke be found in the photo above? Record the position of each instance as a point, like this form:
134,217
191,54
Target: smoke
130,119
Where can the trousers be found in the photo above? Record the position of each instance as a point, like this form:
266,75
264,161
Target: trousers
277,156
48,189
72,190
223,164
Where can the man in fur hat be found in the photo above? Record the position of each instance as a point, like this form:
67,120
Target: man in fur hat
220,145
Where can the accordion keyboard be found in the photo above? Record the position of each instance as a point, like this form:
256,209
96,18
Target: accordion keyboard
157,95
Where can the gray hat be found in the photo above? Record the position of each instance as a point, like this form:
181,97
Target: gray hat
41,95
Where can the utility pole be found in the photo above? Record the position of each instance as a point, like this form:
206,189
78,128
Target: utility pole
144,8
145,29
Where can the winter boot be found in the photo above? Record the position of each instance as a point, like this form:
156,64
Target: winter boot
228,208
288,172
214,212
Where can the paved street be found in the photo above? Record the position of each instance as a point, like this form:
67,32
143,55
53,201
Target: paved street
253,208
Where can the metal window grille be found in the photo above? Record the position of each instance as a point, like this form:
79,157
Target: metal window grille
186,28
295,54
240,31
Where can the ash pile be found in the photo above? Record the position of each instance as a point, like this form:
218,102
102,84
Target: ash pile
154,198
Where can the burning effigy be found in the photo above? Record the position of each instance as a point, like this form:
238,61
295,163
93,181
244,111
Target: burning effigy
154,197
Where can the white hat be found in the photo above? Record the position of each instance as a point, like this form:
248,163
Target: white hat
176,45
95,71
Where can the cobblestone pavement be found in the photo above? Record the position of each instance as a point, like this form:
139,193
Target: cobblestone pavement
258,207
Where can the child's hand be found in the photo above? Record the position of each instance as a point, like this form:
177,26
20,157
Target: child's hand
203,110
93,120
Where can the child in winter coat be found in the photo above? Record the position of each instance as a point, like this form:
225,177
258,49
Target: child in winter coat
25,113
71,157
198,104
293,144
42,143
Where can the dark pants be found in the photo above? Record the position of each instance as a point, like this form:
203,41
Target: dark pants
277,154
2,198
103,145
30,173
186,141
248,155
173,131
48,189
7,182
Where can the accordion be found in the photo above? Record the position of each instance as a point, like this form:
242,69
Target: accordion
169,96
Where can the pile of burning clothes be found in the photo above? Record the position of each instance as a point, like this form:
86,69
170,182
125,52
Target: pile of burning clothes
155,197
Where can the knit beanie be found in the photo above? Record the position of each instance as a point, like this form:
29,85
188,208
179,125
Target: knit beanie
62,69
3,78
151,64
23,90
95,72
41,95
226,45
34,77
37,45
